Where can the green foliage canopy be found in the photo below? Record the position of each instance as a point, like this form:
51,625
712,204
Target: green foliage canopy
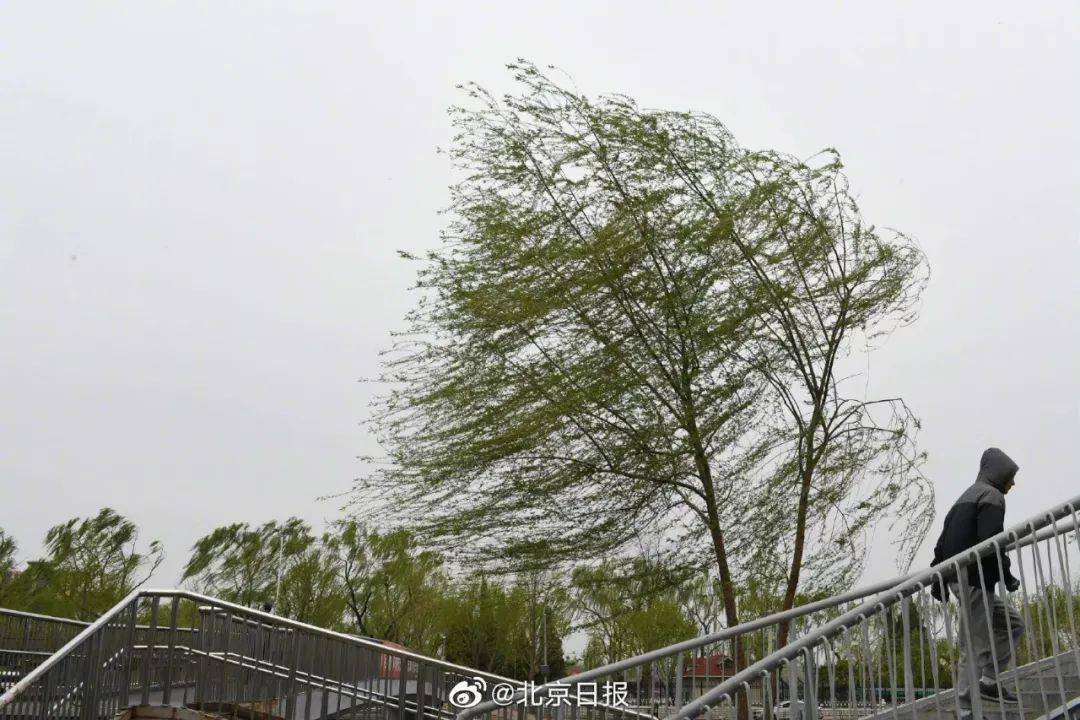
90,565
635,327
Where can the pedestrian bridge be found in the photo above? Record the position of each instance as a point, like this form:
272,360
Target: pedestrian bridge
884,650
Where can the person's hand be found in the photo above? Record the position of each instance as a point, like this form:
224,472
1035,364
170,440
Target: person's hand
935,591
1012,584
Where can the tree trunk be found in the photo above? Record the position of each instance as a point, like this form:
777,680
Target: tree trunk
794,571
727,586
796,563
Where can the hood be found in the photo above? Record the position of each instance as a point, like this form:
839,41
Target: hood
996,468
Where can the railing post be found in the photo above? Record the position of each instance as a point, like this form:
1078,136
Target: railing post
968,648
204,648
88,679
402,665
311,656
419,691
325,675
909,681
810,692
46,696
293,649
166,695
793,690
678,681
223,688
148,653
129,651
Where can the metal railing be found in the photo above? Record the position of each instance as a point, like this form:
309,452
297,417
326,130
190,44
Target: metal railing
27,639
657,681
179,648
32,632
900,654
669,681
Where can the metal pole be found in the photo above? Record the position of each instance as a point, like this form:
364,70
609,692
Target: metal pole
543,631
679,680
277,587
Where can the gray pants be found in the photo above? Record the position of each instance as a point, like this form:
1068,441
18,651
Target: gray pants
988,640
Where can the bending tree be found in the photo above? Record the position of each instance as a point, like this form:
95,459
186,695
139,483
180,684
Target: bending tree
8,546
91,564
392,589
634,327
245,564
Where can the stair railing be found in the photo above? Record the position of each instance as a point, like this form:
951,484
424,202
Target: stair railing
179,648
659,682
899,653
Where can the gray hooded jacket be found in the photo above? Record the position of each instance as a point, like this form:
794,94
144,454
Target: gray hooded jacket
977,515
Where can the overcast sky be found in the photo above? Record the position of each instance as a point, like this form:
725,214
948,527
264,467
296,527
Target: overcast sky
201,203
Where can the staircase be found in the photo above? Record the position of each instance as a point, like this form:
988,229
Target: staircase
902,639
1039,686
234,661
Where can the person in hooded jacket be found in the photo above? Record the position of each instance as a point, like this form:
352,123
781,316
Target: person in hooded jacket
977,515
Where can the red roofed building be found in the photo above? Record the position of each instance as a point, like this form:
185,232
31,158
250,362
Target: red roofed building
705,673
710,666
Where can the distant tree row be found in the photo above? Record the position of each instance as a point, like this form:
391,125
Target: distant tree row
383,585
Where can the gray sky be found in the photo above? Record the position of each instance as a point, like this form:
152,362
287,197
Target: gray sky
200,205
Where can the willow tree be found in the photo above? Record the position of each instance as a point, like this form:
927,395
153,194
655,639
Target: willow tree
8,546
91,564
628,610
636,328
393,589
247,564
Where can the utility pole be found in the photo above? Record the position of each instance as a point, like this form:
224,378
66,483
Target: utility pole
545,668
277,588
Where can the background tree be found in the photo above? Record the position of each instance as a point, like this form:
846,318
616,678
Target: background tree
392,589
627,613
8,547
635,326
358,566
701,602
241,563
1050,614
497,626
380,585
600,602
311,589
839,462
550,607
90,565
476,619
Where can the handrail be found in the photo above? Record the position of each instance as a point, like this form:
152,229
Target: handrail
692,644
402,653
400,657
53,618
295,624
1030,528
38,616
316,630
15,690
731,632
